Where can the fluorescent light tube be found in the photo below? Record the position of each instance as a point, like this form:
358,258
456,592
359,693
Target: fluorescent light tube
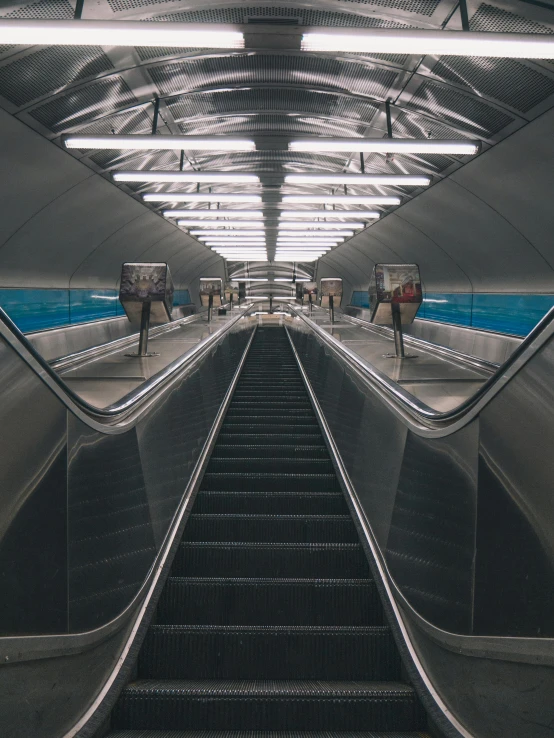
387,145
314,241
136,142
282,279
214,214
397,180
318,226
315,234
345,199
435,43
182,35
303,247
363,214
220,223
216,233
296,257
119,33
198,197
163,176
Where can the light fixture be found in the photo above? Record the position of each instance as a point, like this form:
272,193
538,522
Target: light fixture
32,32
344,199
388,145
434,43
119,33
220,223
248,279
296,257
313,241
303,247
397,180
318,225
363,214
198,197
163,176
217,233
315,234
282,279
137,141
210,214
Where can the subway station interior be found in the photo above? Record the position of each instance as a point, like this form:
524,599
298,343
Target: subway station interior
277,369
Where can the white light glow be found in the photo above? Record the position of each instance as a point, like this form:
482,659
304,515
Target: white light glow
315,234
363,214
319,226
302,247
297,257
283,279
136,142
435,43
153,176
344,199
230,233
199,197
308,241
219,224
118,33
182,35
387,145
209,214
398,180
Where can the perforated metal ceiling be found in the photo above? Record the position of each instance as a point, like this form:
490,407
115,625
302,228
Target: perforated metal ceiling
103,90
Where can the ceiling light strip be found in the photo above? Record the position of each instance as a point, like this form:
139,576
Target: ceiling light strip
163,176
344,199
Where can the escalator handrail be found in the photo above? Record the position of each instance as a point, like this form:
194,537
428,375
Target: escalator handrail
120,409
425,416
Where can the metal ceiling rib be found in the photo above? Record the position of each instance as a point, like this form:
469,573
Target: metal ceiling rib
104,90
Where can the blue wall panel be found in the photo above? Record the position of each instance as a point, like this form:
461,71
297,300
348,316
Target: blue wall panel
517,314
92,305
514,314
34,310
181,297
448,308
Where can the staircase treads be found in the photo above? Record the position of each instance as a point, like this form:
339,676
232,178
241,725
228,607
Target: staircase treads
271,465
285,652
276,439
259,734
278,410
246,426
291,451
271,503
232,559
271,528
266,601
267,705
250,482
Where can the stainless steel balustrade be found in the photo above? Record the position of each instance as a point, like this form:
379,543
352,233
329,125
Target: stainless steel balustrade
457,511
92,505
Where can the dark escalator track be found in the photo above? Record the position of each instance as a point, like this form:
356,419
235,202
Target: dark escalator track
269,621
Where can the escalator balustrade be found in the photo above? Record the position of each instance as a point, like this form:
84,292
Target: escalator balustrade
269,620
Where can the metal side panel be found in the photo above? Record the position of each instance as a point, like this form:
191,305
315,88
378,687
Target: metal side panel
459,536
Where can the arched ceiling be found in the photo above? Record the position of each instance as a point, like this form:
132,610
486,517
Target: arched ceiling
272,92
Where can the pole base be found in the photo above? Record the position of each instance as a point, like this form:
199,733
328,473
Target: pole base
142,356
394,356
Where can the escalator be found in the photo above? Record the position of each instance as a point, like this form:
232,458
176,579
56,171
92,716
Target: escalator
269,620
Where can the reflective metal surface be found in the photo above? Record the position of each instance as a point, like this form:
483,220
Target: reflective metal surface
85,517
460,529
492,347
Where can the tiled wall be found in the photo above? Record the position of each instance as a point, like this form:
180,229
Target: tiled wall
37,309
503,313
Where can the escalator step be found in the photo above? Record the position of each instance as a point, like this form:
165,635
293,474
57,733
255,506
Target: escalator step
249,482
271,503
259,734
266,601
268,465
276,439
268,705
247,652
243,427
271,528
238,451
237,559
